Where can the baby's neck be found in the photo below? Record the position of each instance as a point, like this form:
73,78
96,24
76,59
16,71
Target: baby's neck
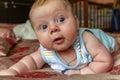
67,55
69,50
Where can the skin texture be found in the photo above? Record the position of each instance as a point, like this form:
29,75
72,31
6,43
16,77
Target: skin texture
56,28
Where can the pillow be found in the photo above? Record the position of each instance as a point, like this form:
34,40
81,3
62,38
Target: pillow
24,31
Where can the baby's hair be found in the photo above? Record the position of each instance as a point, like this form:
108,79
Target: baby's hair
38,3
41,2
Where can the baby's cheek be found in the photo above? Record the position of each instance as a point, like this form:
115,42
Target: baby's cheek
46,43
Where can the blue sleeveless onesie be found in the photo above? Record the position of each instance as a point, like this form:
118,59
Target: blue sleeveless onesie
82,55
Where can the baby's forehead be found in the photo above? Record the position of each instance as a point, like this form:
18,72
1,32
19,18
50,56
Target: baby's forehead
50,6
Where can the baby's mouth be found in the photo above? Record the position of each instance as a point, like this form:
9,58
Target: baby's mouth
59,40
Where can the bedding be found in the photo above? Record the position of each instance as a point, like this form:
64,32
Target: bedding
7,39
25,28
25,47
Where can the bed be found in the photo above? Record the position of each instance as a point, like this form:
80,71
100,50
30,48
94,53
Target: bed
24,46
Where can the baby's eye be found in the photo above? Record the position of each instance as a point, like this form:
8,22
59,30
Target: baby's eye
43,27
60,20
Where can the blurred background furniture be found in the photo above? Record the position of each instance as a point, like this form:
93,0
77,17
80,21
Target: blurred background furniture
14,11
94,13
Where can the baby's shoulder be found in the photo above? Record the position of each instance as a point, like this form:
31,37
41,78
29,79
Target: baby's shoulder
87,35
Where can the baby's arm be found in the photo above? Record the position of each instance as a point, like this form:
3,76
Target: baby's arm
30,62
102,59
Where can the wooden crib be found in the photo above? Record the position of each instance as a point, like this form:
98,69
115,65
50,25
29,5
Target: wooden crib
93,15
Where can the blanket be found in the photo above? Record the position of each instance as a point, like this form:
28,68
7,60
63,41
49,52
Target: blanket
25,47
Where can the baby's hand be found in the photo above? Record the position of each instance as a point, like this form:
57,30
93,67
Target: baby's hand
8,72
70,72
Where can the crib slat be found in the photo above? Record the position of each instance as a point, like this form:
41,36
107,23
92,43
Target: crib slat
93,15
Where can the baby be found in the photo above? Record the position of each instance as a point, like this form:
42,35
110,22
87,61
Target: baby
67,48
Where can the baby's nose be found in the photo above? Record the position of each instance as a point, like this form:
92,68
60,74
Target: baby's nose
54,28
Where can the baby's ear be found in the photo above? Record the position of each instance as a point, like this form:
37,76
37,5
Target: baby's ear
77,21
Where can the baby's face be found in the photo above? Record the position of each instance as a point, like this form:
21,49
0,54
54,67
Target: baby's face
54,25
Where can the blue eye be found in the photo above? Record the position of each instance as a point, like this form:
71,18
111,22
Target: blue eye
43,27
60,20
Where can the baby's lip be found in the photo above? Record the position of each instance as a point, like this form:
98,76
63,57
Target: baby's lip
59,40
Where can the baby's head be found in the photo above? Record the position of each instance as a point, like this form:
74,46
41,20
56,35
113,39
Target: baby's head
54,23
39,3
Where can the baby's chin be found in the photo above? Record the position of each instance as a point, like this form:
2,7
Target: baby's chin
60,49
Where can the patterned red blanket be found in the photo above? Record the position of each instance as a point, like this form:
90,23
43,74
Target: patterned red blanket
24,47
